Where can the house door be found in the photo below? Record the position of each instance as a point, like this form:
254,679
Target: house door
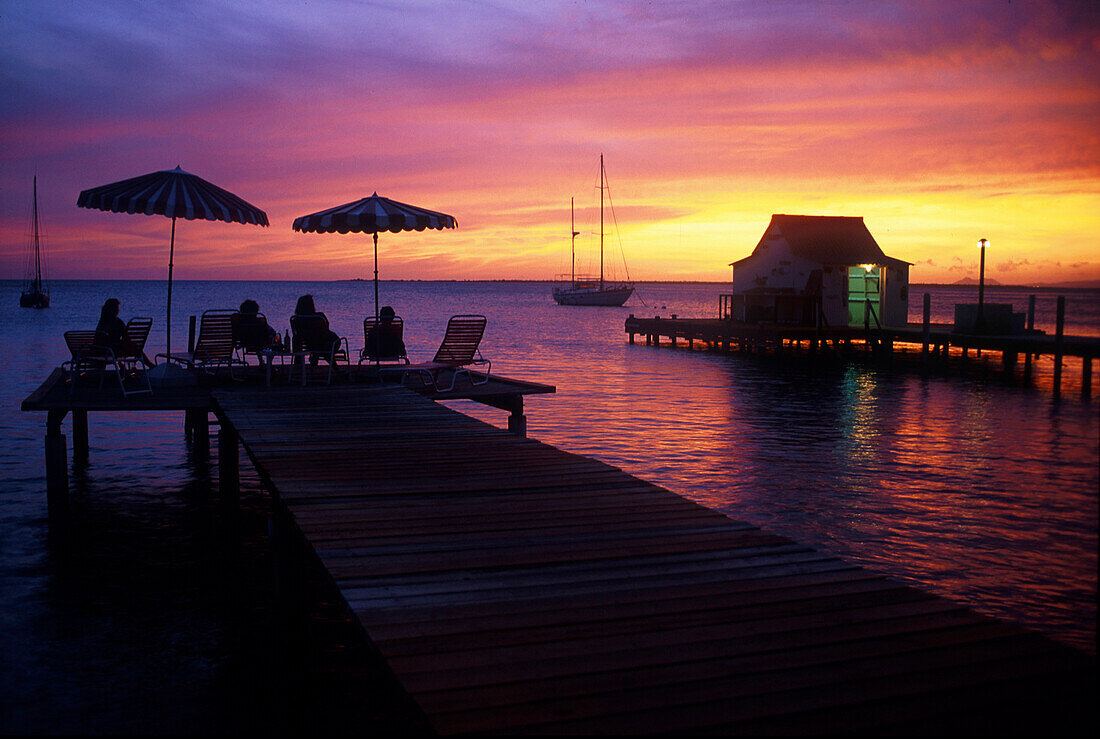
863,286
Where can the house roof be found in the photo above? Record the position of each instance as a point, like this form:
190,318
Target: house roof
826,240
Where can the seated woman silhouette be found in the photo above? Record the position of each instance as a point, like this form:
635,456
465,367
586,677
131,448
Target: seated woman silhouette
111,330
111,333
312,330
385,339
251,330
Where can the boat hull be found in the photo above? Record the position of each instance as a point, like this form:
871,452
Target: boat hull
34,300
613,296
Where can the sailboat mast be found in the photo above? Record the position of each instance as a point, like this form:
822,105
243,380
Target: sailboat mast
37,255
572,244
601,221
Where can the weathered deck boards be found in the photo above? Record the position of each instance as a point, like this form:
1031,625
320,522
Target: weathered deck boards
516,588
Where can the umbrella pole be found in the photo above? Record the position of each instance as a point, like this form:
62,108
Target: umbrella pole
171,256
376,277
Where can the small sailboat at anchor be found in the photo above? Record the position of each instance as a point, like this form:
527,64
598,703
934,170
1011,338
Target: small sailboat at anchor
35,293
590,290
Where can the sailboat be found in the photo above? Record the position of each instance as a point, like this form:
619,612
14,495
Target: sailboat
34,293
590,290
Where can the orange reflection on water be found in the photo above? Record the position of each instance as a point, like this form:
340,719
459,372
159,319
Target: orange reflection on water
981,493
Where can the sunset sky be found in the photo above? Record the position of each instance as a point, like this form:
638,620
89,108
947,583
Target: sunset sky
938,122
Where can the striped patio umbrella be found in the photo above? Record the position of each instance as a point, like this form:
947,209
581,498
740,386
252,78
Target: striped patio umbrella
371,215
175,194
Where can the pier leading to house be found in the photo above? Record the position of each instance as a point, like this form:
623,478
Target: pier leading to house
513,587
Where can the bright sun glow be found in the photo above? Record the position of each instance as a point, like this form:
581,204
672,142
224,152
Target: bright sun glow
707,129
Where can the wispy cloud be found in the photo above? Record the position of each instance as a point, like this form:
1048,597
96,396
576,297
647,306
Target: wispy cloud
934,120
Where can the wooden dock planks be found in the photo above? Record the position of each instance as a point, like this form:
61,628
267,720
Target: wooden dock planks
516,588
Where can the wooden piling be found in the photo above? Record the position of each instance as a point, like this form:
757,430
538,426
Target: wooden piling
1030,327
1059,343
57,469
80,436
200,431
927,318
229,475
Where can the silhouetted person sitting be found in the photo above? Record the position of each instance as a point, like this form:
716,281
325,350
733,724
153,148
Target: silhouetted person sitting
385,339
311,329
251,330
110,332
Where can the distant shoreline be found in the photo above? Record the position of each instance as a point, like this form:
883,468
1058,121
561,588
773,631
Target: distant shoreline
1088,285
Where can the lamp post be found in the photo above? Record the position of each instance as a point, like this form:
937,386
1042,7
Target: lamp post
982,244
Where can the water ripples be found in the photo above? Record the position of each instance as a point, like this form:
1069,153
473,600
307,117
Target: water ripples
983,493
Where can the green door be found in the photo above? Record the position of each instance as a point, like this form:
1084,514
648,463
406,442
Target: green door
863,285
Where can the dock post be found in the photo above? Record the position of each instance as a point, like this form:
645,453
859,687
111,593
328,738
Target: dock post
517,424
200,431
1030,328
229,473
927,323
1086,377
80,436
1059,341
57,469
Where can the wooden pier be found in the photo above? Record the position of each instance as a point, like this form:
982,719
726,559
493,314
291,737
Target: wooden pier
59,398
512,587
930,343
516,588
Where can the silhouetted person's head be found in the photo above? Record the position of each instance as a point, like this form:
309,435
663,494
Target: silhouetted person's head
305,306
250,306
109,309
386,314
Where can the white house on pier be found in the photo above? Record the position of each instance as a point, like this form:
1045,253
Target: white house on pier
820,269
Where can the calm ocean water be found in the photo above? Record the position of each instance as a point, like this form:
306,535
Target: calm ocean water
147,617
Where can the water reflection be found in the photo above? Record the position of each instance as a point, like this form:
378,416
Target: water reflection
981,492
978,494
944,487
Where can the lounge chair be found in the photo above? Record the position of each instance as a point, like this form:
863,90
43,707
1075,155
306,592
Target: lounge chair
383,341
137,333
87,356
251,335
458,352
312,337
214,345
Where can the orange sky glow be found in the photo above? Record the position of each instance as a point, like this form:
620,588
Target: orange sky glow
939,123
